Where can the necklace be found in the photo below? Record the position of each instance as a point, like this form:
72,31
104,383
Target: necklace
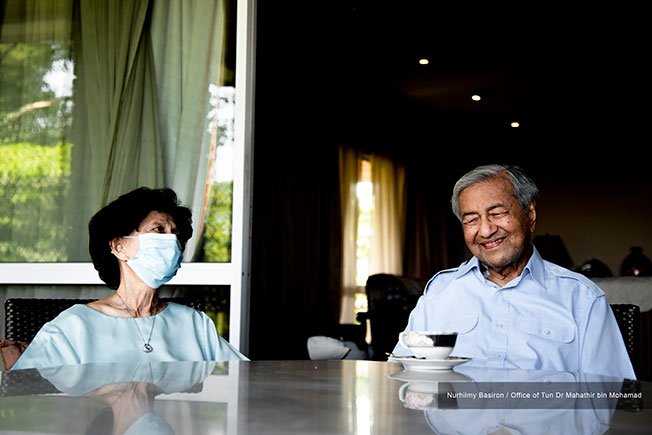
147,348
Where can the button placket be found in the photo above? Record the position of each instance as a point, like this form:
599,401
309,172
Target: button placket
499,327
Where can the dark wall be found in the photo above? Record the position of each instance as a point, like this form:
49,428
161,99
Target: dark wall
295,236
319,83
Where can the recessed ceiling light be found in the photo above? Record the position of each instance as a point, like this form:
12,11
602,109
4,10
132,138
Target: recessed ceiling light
475,97
515,124
424,61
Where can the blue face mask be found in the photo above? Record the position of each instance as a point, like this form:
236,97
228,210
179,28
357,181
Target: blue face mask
158,258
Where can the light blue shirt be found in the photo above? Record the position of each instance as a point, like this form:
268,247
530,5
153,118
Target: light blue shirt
81,335
548,318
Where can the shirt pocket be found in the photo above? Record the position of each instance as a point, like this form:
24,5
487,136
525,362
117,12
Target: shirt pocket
466,327
557,330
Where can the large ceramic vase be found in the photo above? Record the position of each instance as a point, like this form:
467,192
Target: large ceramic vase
636,264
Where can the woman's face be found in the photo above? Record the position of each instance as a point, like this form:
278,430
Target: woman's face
154,222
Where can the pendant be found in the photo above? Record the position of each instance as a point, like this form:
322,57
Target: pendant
147,348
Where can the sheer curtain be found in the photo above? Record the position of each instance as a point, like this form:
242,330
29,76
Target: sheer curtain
46,19
349,162
115,124
188,39
388,221
141,102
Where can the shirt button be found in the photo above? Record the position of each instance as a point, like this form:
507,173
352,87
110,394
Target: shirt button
499,325
496,355
546,331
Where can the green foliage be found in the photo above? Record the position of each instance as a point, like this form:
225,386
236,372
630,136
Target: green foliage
29,109
217,248
23,67
27,162
34,156
34,180
217,224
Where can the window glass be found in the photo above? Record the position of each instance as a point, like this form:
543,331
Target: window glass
216,224
73,136
35,120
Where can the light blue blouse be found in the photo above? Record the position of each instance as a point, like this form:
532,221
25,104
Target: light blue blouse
82,335
548,318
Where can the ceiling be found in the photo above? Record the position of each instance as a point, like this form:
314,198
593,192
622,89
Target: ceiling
523,60
573,77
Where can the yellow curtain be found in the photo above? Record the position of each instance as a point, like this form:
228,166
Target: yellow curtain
349,163
388,221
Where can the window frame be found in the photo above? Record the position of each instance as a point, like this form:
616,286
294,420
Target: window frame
235,273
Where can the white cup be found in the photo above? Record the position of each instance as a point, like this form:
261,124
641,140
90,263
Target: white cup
427,395
419,395
435,345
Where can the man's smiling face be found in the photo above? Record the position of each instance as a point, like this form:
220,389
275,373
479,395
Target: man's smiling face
496,229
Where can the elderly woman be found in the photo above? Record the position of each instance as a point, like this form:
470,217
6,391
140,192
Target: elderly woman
136,245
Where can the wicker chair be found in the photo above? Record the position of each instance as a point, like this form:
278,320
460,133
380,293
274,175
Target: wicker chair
25,383
391,298
628,317
24,317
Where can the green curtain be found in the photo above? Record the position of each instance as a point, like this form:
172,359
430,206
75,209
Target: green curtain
141,102
188,45
139,105
115,125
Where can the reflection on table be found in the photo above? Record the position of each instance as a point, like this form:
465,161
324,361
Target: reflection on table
483,400
138,398
284,397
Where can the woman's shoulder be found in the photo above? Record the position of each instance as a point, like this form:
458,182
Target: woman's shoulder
67,321
177,309
184,314
74,314
76,311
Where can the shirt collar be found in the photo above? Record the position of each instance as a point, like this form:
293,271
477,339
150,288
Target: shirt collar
533,268
469,265
536,268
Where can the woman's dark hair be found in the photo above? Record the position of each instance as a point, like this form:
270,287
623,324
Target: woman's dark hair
123,216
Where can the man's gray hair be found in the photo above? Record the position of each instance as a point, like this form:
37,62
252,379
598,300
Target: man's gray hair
524,188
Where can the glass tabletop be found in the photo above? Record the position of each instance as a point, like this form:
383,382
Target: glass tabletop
317,397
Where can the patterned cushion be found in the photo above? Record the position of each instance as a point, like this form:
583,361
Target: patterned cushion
11,351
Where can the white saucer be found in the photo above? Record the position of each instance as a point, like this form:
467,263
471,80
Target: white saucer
428,365
429,376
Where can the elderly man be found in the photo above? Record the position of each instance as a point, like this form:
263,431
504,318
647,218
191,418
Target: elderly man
509,307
